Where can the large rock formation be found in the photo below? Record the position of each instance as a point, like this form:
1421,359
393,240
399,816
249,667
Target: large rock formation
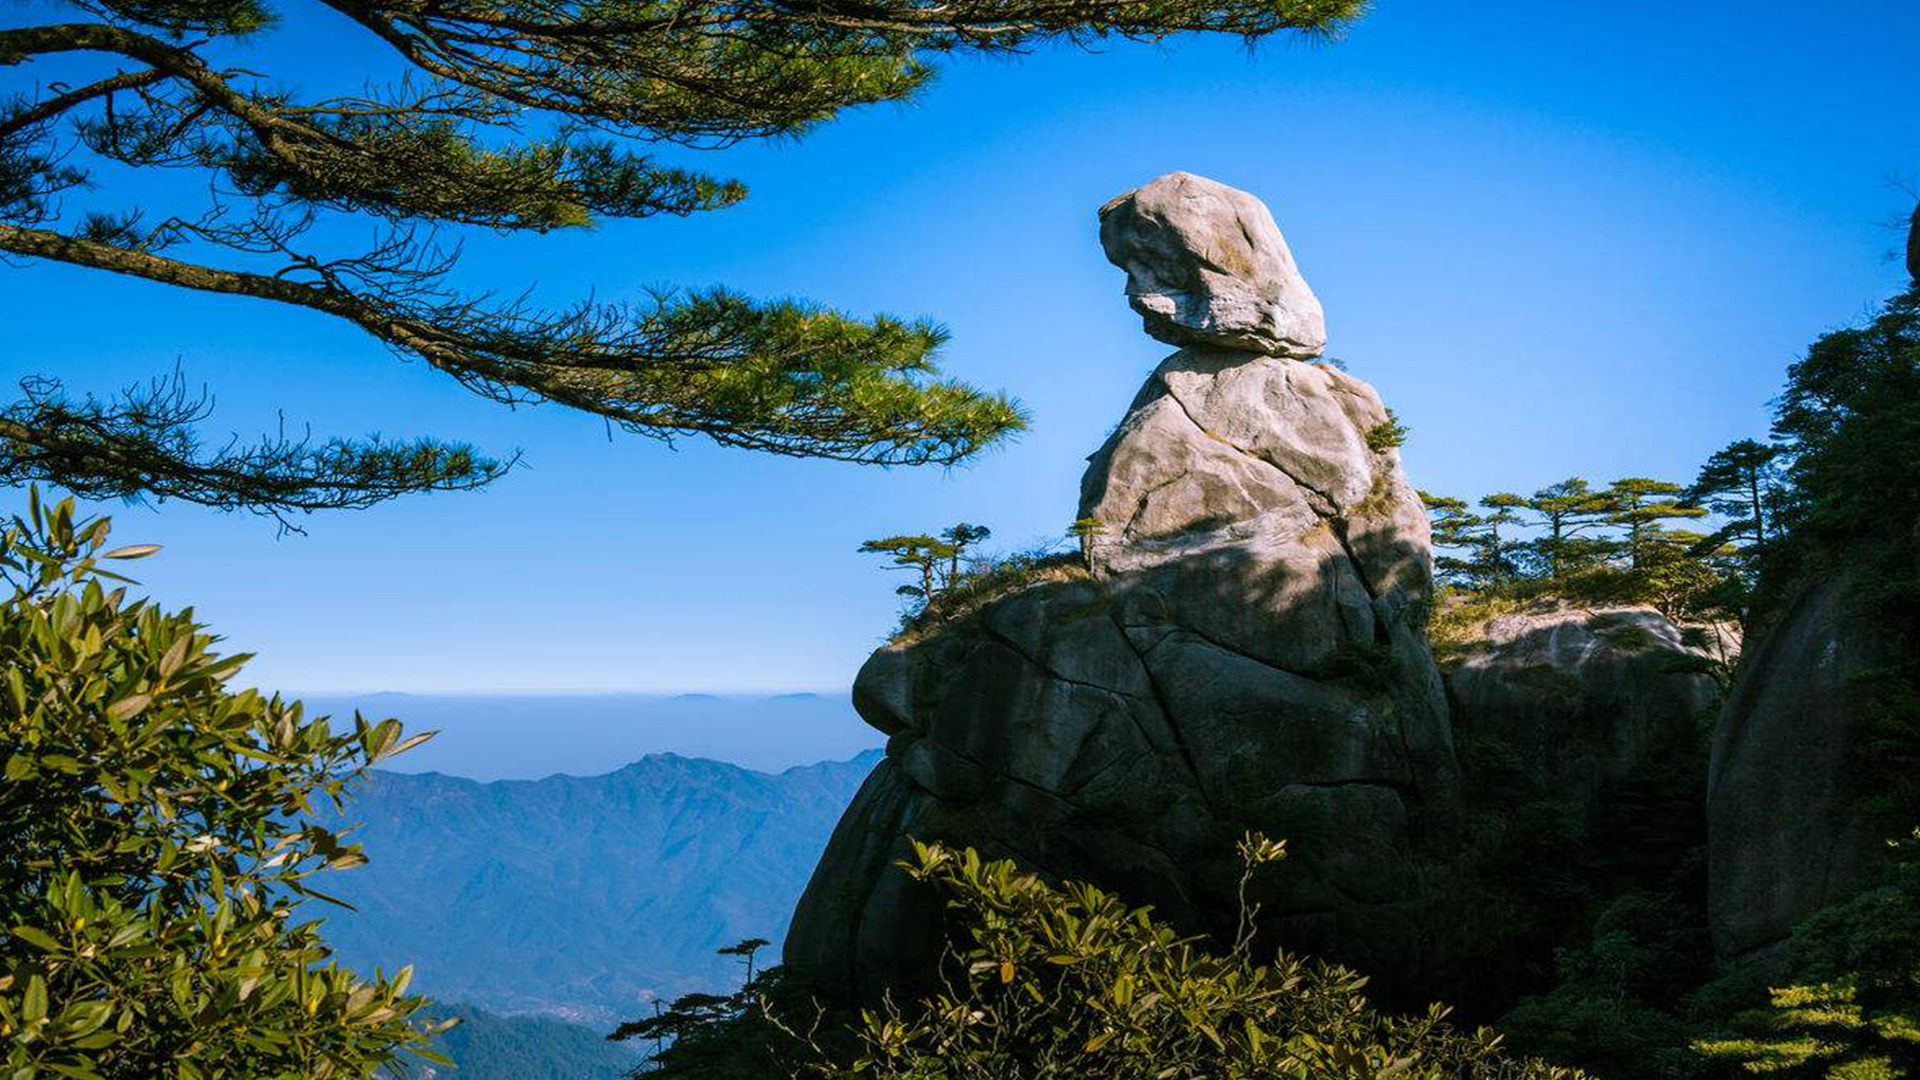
1206,265
1784,830
1242,651
1588,698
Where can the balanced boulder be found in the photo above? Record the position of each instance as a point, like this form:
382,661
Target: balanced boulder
1242,651
1206,265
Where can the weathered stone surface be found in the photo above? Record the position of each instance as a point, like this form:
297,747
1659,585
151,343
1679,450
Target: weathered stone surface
1235,661
1206,265
1244,652
1588,697
1785,836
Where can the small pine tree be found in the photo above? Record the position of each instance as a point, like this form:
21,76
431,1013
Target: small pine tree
1498,548
938,560
1740,481
1639,505
1569,512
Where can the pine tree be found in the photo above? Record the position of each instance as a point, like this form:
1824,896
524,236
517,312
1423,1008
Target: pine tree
1850,416
1569,510
936,559
1639,505
517,116
961,537
1740,481
1496,547
1457,528
922,554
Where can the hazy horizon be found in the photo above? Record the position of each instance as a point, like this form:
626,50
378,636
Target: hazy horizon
530,736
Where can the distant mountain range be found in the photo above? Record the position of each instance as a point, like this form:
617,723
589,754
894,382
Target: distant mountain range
581,897
528,736
487,1046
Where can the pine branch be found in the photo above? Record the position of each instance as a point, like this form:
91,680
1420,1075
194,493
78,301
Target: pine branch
525,121
144,443
778,377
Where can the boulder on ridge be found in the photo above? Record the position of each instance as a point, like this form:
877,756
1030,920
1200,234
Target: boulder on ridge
1206,265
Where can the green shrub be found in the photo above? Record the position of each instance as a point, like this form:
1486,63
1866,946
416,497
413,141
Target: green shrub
1611,1036
1614,1010
1066,981
1851,1010
1387,434
154,852
1871,940
1820,1032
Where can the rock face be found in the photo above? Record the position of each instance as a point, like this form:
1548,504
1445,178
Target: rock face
1913,247
1243,651
1589,698
1206,265
1784,835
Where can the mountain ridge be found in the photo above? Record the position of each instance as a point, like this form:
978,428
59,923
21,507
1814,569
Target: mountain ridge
620,884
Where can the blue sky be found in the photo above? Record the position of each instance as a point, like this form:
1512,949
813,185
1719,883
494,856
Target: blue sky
1559,238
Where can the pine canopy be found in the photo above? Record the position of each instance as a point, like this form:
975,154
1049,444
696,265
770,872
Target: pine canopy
516,115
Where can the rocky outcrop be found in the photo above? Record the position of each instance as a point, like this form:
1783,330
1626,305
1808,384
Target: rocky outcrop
1588,698
1913,247
1784,830
1244,651
1206,265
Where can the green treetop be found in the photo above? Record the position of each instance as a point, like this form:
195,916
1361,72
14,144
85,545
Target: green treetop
1639,505
515,116
925,555
1456,528
1740,482
1850,416
1502,506
1489,559
936,559
1569,512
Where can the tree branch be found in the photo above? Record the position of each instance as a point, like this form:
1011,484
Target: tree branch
54,106
780,377
144,444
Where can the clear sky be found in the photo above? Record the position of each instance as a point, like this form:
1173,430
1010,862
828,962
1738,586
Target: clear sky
1568,237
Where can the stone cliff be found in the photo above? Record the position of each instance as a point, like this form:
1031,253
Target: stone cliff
1786,834
1244,652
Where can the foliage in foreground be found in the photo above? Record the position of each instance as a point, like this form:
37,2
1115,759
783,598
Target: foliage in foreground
1067,981
154,854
